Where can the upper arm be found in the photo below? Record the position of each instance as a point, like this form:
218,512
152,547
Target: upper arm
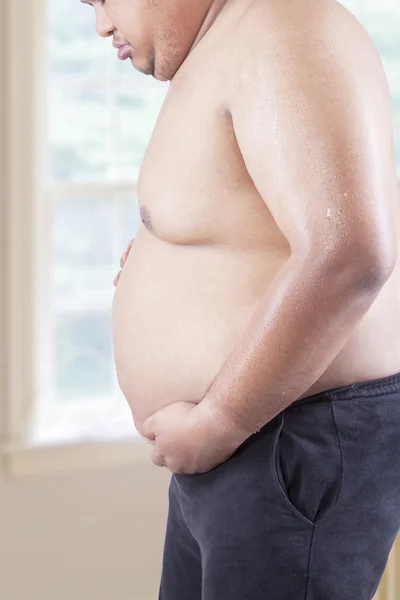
317,149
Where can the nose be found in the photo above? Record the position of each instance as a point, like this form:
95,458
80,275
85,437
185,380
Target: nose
104,27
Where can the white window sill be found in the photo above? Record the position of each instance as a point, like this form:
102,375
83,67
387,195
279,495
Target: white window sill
29,459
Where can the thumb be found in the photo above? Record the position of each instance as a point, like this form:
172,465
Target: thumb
157,458
147,430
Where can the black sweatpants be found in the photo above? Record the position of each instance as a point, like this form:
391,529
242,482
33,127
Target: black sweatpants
306,509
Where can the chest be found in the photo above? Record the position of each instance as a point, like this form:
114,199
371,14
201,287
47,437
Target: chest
193,174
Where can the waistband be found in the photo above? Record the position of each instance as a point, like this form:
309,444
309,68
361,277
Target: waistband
365,389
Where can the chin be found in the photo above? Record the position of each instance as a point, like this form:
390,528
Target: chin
162,77
144,68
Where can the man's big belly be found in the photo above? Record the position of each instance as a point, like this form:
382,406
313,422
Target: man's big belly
178,312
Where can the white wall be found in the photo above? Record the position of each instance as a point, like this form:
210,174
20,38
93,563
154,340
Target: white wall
88,536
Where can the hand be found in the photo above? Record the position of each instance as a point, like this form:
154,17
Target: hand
188,440
123,260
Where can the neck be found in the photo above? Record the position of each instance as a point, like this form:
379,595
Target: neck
210,18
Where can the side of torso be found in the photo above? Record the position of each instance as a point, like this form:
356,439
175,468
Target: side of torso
207,250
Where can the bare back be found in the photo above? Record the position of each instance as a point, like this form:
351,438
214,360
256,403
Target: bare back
208,245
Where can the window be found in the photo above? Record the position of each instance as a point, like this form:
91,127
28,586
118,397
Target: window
100,115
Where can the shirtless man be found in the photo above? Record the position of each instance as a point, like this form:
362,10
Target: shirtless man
256,320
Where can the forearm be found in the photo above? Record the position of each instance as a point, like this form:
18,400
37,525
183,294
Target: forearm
303,321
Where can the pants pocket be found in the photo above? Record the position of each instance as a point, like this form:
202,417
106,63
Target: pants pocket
369,430
307,460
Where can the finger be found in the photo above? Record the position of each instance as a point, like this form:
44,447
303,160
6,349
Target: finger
147,433
128,249
148,441
123,259
148,427
117,278
157,459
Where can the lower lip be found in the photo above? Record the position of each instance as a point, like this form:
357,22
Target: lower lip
124,52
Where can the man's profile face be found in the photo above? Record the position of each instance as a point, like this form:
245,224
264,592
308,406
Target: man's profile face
155,35
129,22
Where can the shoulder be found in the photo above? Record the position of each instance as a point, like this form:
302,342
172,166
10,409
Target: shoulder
304,41
297,21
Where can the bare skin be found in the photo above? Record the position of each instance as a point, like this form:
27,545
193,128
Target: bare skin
214,239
